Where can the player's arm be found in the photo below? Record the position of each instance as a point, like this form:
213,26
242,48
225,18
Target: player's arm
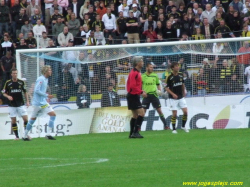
27,99
133,78
183,90
158,83
5,92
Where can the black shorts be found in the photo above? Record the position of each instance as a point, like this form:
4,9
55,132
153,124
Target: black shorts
151,98
134,102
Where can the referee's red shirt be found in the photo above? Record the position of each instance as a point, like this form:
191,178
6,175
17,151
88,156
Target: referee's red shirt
134,82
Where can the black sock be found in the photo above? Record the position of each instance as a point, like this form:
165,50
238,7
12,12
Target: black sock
15,129
173,121
163,120
132,125
184,120
138,123
25,124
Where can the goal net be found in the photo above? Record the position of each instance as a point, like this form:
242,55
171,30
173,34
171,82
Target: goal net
83,75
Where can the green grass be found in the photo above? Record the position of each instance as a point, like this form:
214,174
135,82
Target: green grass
160,159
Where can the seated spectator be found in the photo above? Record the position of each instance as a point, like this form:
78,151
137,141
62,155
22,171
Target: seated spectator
91,40
150,33
83,99
196,24
235,24
217,20
169,33
64,37
148,22
97,22
38,29
238,6
209,14
244,52
159,28
84,10
57,28
207,29
63,94
7,63
234,85
31,41
6,46
110,98
225,75
99,36
185,24
224,30
218,47
31,7
245,31
86,21
70,55
37,15
54,7
85,33
22,44
26,28
54,16
101,10
109,21
20,20
44,40
67,17
73,24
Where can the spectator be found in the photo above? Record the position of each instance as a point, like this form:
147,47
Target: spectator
67,79
48,6
186,24
182,65
169,7
31,8
209,14
58,27
91,14
73,24
158,6
205,2
207,29
235,24
6,46
69,55
86,21
181,9
175,14
132,28
169,32
85,33
225,75
109,23
159,28
202,83
14,11
37,15
124,8
98,22
63,94
84,10
101,10
121,27
54,7
218,47
64,37
31,41
26,28
38,29
22,44
188,84
135,10
150,33
76,7
234,85
217,20
196,24
148,22
230,14
224,30
245,31
7,63
20,21
23,4
110,98
44,40
190,14
54,16
237,5
243,56
162,19
91,40
4,17
67,17
99,36
217,5
83,99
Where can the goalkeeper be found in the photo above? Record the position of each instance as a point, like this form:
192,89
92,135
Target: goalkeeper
151,85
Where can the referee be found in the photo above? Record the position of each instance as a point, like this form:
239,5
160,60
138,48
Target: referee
13,90
134,89
176,89
151,84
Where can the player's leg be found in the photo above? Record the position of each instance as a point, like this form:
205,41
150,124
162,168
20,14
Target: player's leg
183,106
140,112
132,122
51,123
174,108
14,127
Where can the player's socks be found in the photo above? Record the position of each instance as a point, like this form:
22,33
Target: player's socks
28,127
51,124
15,129
184,120
138,123
132,125
25,124
173,121
162,117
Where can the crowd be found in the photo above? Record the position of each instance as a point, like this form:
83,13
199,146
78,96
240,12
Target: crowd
28,24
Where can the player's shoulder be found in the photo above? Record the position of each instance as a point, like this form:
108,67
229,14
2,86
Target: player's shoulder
20,81
170,77
180,74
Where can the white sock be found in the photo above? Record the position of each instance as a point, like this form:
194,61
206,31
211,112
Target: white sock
26,133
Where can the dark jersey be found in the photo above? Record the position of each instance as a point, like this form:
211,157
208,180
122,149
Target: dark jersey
174,83
15,89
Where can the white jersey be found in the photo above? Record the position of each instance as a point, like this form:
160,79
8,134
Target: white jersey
247,73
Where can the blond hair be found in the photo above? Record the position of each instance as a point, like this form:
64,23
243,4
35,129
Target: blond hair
44,69
80,88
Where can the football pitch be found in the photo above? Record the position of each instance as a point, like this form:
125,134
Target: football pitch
160,159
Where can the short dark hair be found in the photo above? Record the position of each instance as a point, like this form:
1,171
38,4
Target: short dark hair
13,69
148,64
174,64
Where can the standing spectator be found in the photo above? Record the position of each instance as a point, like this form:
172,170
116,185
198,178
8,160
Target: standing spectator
73,24
91,40
5,17
7,63
186,25
58,27
76,7
159,28
217,5
14,11
56,6
148,22
44,40
132,28
64,37
22,44
217,20
136,12
48,5
83,99
55,16
101,10
30,11
6,46
202,83
244,53
224,30
109,23
37,15
209,14
91,14
235,24
169,32
99,36
26,28
38,29
234,85
110,98
121,26
205,2
23,4
63,94
207,29
97,22
238,6
225,75
245,31
124,8
20,21
31,41
84,10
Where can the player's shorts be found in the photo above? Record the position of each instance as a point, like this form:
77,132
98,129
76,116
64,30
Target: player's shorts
176,104
151,98
18,111
41,110
134,102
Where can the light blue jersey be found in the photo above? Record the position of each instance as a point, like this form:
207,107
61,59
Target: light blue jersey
40,96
